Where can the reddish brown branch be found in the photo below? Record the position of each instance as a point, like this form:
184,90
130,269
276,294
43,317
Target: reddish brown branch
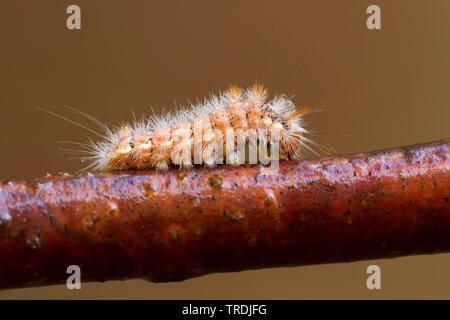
178,224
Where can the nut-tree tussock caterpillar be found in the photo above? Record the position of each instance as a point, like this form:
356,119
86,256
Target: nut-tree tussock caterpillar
235,126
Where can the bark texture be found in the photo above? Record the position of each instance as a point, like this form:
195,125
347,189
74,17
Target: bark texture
176,224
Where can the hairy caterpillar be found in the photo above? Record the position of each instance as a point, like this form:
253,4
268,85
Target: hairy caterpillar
228,126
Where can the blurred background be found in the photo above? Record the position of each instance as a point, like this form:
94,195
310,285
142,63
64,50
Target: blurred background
378,88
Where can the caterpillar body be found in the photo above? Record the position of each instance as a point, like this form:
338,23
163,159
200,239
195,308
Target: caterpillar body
205,133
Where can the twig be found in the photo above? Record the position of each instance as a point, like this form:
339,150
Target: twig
176,224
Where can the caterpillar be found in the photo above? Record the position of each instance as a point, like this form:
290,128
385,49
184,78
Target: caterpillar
228,126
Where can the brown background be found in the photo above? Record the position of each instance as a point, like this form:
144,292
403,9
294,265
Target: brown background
380,89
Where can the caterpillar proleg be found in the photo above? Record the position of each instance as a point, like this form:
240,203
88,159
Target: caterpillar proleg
233,127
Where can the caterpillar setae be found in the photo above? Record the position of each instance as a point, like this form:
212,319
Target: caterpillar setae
234,125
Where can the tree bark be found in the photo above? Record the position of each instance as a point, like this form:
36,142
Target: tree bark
177,224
